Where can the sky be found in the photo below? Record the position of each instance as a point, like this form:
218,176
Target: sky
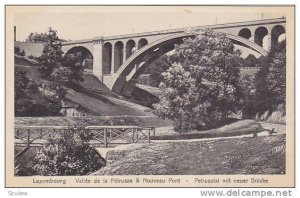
76,23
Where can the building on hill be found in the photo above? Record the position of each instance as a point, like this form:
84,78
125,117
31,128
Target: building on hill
30,49
71,109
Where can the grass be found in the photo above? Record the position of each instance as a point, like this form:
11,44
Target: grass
260,155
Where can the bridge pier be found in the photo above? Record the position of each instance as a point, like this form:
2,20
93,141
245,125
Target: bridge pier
97,62
269,42
124,54
112,66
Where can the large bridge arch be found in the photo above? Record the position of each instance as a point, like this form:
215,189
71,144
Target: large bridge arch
133,66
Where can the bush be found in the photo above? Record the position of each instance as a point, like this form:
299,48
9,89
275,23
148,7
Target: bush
278,116
68,153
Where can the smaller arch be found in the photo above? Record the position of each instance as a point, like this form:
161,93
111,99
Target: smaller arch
86,57
276,32
259,35
118,54
106,58
245,33
142,42
130,48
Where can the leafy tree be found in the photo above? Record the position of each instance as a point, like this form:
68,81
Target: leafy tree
62,70
158,67
30,102
22,102
271,80
249,97
51,55
204,84
74,63
179,99
68,153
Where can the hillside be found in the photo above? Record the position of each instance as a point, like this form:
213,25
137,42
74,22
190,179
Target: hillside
91,94
261,155
108,106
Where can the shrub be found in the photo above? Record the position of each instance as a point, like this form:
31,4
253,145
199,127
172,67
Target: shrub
68,153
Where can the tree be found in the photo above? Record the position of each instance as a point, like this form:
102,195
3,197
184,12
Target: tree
62,70
29,101
271,80
51,55
74,63
209,70
178,100
249,97
157,68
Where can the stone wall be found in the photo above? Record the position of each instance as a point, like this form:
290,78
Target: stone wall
31,49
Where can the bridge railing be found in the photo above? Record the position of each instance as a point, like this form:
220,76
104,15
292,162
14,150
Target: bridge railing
102,136
114,135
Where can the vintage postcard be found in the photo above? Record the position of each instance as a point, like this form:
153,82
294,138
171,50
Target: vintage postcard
150,96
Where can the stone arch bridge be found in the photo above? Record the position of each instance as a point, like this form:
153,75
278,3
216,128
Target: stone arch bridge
117,61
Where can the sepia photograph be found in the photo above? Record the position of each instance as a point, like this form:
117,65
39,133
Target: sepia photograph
168,96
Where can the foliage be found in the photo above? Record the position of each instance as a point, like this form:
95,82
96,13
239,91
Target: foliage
74,63
68,153
203,87
158,67
39,38
29,101
178,100
61,70
249,97
51,54
35,37
22,103
270,81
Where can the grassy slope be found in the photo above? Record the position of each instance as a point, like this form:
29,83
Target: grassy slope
261,155
100,107
95,97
